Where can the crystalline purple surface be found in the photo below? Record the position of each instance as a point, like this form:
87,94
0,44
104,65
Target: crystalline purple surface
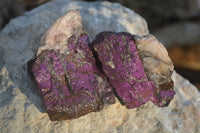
122,65
84,79
70,83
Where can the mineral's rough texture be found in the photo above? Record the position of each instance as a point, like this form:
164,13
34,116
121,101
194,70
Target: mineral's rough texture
61,31
72,86
21,109
158,67
68,80
122,64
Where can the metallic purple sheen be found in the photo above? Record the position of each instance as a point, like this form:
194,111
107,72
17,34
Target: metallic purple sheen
122,65
76,82
70,84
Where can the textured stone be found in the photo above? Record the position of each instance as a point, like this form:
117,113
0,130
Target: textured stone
123,66
59,33
65,72
158,66
21,107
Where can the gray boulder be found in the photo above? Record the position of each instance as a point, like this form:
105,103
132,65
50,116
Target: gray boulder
21,107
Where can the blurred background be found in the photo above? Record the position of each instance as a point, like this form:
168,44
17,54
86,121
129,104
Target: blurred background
176,23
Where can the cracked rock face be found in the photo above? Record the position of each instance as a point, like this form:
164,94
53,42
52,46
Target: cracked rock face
121,63
21,107
70,83
65,72
158,67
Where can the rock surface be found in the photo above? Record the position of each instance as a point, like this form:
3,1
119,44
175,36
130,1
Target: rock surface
21,107
127,60
64,69
158,66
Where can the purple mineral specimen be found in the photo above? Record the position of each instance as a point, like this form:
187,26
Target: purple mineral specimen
122,64
70,83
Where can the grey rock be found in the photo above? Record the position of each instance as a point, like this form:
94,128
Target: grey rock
21,107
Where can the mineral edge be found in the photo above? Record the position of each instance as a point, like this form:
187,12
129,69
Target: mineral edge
76,77
122,65
70,84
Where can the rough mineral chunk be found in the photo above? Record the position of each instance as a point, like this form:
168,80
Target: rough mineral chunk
121,63
71,85
68,80
71,79
158,67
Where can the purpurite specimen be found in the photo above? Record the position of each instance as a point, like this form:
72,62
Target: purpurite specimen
122,65
70,84
75,77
